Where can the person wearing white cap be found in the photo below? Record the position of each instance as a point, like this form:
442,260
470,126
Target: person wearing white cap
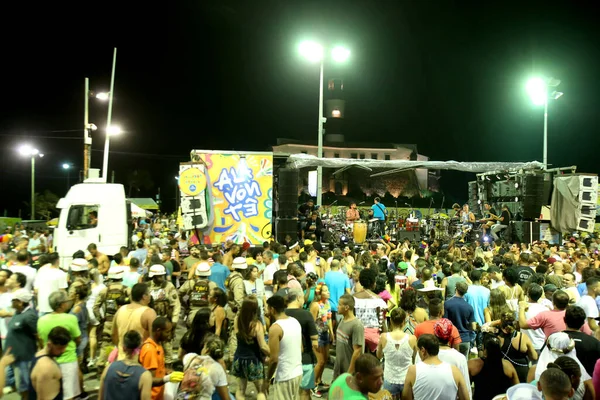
49,278
22,337
236,291
79,270
197,289
165,301
109,300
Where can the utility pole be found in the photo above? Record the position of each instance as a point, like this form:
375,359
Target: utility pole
87,140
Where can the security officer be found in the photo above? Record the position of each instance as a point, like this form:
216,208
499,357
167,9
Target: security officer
197,291
164,301
235,296
107,303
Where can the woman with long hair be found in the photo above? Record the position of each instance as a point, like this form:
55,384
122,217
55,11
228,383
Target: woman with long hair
248,360
393,289
414,315
399,350
321,312
491,374
517,347
192,340
218,321
498,307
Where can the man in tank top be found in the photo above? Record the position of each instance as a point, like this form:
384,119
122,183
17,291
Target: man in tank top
46,378
285,366
126,379
432,378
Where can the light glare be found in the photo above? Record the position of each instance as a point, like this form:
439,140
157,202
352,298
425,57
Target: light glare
114,130
103,96
340,54
537,90
312,51
66,166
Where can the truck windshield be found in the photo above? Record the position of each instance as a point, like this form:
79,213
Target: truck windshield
82,217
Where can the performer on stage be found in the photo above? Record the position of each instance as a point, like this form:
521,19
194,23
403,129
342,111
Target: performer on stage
467,219
503,222
352,214
313,225
380,213
490,216
306,209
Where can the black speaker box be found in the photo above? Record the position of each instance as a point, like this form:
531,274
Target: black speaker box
410,235
287,226
287,194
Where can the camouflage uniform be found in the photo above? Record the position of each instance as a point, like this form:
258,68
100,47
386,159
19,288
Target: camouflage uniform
109,299
197,290
235,295
166,304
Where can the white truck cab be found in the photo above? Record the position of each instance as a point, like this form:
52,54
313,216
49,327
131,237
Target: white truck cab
92,212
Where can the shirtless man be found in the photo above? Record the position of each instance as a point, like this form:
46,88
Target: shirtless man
230,255
103,261
136,316
45,372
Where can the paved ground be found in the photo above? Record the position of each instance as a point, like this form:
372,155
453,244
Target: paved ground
91,383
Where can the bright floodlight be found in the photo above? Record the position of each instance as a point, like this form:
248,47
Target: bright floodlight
340,54
312,51
537,90
102,96
114,130
66,166
27,150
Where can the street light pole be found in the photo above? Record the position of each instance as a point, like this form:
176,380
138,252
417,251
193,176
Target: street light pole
320,139
33,186
111,94
87,140
546,133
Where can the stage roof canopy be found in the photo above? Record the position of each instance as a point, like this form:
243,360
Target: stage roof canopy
305,160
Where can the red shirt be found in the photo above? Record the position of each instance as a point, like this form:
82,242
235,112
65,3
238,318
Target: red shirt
552,322
426,327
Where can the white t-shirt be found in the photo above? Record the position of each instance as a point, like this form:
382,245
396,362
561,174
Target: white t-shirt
411,271
309,267
28,271
33,246
5,305
268,276
589,305
48,280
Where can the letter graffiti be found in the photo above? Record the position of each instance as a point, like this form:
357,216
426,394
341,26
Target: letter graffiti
241,191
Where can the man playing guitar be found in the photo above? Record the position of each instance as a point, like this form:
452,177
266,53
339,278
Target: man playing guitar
305,210
490,217
352,214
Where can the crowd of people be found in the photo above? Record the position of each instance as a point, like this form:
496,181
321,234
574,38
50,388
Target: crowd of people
404,321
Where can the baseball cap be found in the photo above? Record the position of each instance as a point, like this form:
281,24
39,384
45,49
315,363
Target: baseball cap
240,263
79,264
403,266
23,295
157,269
202,269
443,329
550,287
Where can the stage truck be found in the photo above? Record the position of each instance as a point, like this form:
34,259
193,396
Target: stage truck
224,196
227,196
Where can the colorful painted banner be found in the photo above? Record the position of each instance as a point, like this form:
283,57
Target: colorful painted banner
241,201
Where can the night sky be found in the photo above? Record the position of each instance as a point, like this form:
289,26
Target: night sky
448,76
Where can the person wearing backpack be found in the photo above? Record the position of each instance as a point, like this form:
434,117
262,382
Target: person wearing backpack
109,300
236,292
198,291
